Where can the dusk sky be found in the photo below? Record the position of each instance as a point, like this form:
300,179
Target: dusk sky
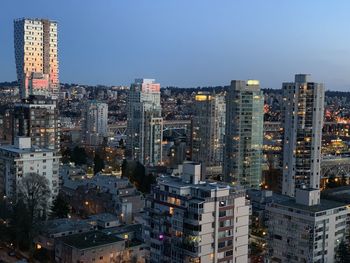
189,43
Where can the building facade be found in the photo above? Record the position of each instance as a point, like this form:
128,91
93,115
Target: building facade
208,129
96,122
36,55
145,122
193,221
303,121
21,159
305,229
244,133
37,117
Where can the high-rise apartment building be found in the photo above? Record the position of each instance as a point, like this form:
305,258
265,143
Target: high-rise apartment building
193,221
305,228
21,159
244,133
36,55
96,122
208,129
303,106
145,122
37,118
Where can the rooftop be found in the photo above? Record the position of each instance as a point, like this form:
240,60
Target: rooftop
12,148
324,205
90,239
105,217
64,225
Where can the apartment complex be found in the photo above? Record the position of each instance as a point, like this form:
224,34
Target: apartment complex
303,106
37,118
208,129
21,159
193,221
36,55
305,228
96,122
244,133
145,122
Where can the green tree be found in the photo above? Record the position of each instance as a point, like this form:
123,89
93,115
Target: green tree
60,208
79,156
332,182
98,163
136,174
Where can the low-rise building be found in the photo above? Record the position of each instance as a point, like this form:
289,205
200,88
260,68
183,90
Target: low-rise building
103,194
88,247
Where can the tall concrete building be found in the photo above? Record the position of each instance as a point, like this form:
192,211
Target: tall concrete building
193,221
22,159
208,129
302,121
36,55
96,122
244,133
145,122
37,117
305,228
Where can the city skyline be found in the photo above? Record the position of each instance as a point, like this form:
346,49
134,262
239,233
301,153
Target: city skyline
186,47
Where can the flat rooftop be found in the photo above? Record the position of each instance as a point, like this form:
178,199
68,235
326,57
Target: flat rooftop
324,205
90,239
64,225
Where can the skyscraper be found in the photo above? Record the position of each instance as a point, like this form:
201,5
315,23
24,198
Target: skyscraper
303,121
208,124
145,122
244,133
36,55
96,120
37,118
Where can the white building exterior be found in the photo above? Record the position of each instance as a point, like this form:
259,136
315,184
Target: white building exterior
96,122
21,159
193,221
303,229
303,121
145,122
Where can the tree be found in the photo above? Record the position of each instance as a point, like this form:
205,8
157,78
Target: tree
35,192
33,195
136,173
98,164
332,182
60,208
78,156
343,253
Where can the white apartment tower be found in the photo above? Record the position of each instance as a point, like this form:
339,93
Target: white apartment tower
21,159
208,129
145,122
244,133
36,55
303,106
193,221
96,122
305,228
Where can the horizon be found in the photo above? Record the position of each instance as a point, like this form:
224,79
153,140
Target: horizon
191,44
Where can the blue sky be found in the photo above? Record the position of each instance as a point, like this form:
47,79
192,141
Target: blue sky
191,42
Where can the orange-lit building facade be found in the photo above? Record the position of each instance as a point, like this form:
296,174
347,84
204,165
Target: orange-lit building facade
36,55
